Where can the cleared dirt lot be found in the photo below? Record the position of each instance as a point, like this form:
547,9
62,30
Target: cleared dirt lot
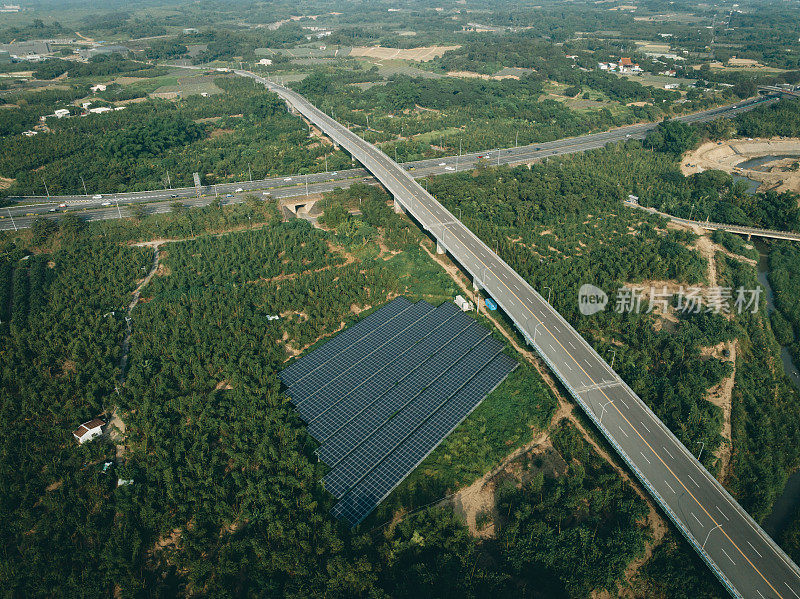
728,155
422,54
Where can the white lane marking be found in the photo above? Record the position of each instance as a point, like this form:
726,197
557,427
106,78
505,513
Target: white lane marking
645,426
733,562
693,480
668,453
696,520
623,431
754,549
627,407
670,486
759,594
568,366
791,589
645,457
571,345
723,513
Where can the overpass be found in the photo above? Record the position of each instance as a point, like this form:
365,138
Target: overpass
710,226
293,185
775,89
743,557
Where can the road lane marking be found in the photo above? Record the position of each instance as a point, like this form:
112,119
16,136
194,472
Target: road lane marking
623,431
668,453
571,345
423,205
670,487
754,549
729,557
759,594
627,407
791,589
723,513
697,520
645,457
645,427
693,480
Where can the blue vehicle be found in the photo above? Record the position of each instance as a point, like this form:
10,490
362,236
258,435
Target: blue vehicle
490,303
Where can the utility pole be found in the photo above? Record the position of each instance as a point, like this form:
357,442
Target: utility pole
367,121
86,193
169,183
45,188
613,356
12,218
516,140
249,172
119,212
306,183
326,163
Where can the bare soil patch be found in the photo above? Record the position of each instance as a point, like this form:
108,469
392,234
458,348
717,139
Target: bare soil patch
422,54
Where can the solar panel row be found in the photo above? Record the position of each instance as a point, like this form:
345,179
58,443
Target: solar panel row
376,485
398,396
345,369
381,395
297,370
427,337
361,460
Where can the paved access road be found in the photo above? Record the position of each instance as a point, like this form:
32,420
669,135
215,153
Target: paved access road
742,555
92,208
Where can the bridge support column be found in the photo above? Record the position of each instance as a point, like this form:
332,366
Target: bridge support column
439,248
749,236
397,207
475,284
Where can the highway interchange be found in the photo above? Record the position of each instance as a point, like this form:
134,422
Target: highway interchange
159,201
737,550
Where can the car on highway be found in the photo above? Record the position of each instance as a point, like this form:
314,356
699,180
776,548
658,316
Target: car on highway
449,168
334,173
228,195
442,163
53,210
238,190
106,203
97,196
173,195
288,179
62,205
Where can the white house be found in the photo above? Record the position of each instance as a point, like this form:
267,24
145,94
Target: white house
88,431
265,61
98,88
671,85
30,133
100,109
61,113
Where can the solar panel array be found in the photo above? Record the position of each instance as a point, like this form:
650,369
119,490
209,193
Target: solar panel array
381,395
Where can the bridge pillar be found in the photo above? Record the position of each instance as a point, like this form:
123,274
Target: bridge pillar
440,248
749,236
475,284
397,207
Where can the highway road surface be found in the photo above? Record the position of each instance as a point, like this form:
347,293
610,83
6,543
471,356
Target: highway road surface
738,551
92,208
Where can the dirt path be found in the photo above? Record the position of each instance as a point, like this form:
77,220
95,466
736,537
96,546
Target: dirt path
116,425
721,395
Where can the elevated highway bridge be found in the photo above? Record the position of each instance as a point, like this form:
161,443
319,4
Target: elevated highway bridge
742,556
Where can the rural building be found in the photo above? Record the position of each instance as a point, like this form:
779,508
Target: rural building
465,305
61,113
88,430
265,61
5,57
100,109
99,87
24,49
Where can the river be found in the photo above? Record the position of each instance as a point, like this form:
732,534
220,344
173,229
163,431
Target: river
789,500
